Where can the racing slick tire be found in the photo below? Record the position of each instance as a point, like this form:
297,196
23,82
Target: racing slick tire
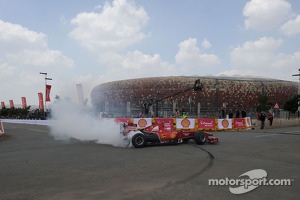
200,138
138,140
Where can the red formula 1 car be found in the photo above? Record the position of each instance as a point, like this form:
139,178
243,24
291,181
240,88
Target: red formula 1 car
163,133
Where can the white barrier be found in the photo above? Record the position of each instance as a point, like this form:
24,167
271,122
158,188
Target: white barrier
26,121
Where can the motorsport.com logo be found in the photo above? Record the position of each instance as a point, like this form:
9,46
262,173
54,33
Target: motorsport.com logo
257,177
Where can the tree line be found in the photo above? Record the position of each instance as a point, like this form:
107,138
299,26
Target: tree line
21,113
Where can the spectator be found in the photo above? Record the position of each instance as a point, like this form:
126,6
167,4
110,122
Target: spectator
270,118
237,113
262,118
230,114
244,114
176,114
223,113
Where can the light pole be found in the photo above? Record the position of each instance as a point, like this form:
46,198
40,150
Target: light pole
46,78
298,90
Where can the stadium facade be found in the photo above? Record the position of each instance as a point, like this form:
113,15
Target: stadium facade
154,97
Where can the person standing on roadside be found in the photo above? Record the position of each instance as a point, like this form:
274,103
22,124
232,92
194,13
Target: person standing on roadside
262,118
244,114
270,118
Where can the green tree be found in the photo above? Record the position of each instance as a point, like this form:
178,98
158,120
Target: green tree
14,112
291,104
263,104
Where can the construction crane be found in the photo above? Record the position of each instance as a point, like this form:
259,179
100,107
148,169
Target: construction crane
198,86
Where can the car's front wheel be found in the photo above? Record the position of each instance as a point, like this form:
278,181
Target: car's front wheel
138,140
200,138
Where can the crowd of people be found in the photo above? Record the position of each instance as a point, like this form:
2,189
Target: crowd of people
261,116
233,114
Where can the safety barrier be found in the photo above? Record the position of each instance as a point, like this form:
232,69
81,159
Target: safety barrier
178,123
26,121
191,123
1,128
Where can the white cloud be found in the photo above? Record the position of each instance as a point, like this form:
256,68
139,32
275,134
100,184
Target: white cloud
265,14
23,54
205,44
292,27
192,60
115,28
260,58
134,64
14,37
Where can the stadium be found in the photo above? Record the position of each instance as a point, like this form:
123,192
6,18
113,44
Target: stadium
160,96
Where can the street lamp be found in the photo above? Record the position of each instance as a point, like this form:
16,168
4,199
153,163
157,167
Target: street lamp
46,78
298,91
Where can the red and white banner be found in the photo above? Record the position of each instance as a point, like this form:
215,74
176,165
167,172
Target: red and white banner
187,123
2,104
11,104
143,122
224,123
122,120
239,123
168,122
206,123
24,104
41,102
48,89
80,94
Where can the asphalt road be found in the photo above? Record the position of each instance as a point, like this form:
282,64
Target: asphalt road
33,165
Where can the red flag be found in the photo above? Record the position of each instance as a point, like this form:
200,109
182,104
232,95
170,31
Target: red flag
41,102
48,88
24,104
2,104
11,104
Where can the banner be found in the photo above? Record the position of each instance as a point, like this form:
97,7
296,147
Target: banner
248,122
239,123
24,104
80,94
224,123
48,88
1,128
11,104
122,120
41,102
206,123
143,122
2,104
168,122
185,123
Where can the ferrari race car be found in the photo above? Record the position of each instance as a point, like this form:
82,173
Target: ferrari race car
163,133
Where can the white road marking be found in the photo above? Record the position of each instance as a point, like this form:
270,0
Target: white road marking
272,134
38,130
293,132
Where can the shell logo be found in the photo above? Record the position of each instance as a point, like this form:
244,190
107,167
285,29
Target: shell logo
142,123
185,123
173,135
225,123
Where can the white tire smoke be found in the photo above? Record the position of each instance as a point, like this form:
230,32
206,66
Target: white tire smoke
69,121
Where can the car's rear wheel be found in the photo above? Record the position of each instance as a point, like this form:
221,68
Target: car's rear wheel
200,138
138,140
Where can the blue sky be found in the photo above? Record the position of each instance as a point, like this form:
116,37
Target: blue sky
97,41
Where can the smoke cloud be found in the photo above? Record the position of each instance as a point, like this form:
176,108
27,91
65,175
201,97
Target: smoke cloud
70,121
